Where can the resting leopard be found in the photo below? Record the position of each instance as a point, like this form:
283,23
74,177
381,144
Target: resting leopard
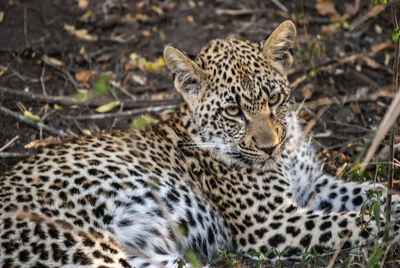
229,170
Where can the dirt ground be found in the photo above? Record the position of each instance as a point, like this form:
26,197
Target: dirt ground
52,49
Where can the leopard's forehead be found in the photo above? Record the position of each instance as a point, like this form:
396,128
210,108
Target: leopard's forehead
238,73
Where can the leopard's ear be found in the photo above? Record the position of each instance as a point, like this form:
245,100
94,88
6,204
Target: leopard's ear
276,47
188,75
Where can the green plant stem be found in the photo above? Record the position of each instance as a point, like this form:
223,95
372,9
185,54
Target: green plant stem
390,174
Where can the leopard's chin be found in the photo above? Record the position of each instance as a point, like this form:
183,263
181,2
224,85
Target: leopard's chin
260,162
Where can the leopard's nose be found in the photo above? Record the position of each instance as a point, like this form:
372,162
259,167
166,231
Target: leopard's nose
268,150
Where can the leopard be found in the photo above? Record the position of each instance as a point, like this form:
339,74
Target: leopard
231,169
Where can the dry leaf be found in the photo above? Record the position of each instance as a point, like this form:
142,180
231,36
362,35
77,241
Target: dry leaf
158,10
83,34
155,65
53,61
84,77
190,19
143,64
122,38
352,9
327,30
83,4
107,107
86,132
141,17
128,18
355,109
80,33
41,143
139,79
159,96
3,69
162,35
103,58
381,46
141,4
325,7
88,16
146,33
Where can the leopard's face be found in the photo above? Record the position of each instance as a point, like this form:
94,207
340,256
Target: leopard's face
238,94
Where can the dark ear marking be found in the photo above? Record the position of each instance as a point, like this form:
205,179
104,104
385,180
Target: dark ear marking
190,85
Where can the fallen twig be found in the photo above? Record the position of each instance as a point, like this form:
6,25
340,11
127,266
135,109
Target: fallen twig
375,10
123,89
26,27
312,122
69,101
384,92
384,153
42,82
24,78
334,257
38,125
280,6
331,63
121,114
9,143
14,154
297,82
240,12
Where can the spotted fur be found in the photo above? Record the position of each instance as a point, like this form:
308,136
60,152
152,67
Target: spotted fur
229,170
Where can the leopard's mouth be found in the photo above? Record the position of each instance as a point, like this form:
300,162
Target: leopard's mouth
259,157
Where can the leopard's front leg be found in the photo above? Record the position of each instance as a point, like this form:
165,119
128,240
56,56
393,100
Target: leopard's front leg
313,189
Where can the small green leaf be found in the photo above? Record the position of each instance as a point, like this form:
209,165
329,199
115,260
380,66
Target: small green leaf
217,259
395,35
80,95
182,231
192,4
57,107
340,170
107,107
142,122
143,62
100,85
158,10
133,56
31,116
181,263
193,259
231,255
69,27
377,214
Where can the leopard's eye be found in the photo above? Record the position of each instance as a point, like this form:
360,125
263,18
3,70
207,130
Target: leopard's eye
274,99
232,110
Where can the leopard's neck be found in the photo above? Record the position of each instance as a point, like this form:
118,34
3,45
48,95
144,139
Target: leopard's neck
182,125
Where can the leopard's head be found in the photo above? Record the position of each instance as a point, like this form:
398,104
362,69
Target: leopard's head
237,92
